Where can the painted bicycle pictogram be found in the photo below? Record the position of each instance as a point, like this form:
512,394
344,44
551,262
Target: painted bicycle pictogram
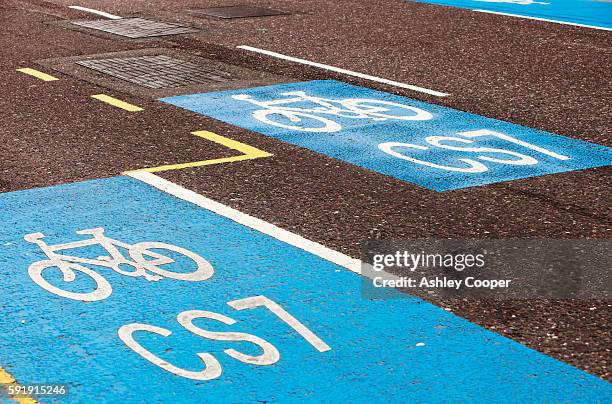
279,112
144,262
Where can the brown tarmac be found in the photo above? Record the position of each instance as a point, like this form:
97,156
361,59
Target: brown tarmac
546,76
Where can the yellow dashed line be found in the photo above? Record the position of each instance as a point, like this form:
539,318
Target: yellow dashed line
116,103
7,380
248,153
37,74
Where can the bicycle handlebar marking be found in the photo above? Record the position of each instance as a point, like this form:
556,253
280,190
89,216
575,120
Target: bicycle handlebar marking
430,145
71,266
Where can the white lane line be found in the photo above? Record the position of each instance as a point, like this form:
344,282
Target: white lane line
92,11
285,236
543,19
343,71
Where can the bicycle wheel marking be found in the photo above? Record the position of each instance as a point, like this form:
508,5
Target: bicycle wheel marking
273,323
436,147
145,263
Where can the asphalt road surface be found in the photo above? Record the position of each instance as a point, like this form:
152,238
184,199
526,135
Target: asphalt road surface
546,76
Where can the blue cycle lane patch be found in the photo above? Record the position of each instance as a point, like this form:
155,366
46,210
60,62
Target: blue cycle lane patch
436,147
592,13
362,351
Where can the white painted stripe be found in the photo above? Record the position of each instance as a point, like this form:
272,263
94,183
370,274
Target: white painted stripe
92,11
543,19
285,236
343,71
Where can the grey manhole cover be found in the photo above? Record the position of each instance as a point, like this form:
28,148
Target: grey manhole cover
237,12
136,27
160,72
157,71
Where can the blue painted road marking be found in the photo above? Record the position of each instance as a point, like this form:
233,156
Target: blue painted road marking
436,147
591,13
142,340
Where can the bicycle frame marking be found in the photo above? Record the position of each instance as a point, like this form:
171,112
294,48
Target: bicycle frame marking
327,105
46,335
350,108
109,244
411,140
146,268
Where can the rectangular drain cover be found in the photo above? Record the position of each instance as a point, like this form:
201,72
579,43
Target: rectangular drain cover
157,71
136,27
160,72
237,12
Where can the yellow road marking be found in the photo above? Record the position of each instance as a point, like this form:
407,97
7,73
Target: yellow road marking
116,103
248,153
5,380
37,74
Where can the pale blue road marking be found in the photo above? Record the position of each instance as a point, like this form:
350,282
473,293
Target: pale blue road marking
377,352
586,13
437,147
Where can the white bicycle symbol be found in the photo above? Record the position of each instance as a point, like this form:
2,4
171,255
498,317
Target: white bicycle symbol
275,113
139,252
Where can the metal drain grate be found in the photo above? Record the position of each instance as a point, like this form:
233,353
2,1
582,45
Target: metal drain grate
158,71
237,12
136,27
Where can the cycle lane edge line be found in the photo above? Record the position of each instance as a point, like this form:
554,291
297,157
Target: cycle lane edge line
527,17
461,328
352,264
338,258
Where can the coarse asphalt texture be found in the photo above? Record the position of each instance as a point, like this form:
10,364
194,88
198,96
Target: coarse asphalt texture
546,76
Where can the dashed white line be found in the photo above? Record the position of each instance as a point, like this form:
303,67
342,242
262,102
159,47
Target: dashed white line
543,19
97,12
344,71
